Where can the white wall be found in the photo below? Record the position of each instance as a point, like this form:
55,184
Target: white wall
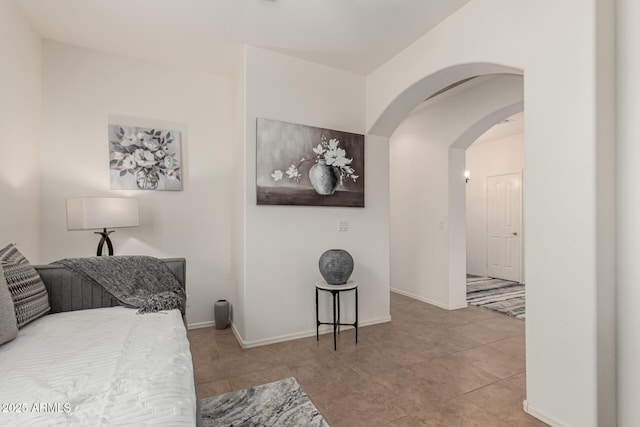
570,356
20,120
628,203
283,243
483,159
420,152
82,89
238,222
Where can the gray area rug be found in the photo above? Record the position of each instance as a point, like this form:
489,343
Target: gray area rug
499,295
282,403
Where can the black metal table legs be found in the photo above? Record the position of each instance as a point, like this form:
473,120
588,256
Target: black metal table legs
335,297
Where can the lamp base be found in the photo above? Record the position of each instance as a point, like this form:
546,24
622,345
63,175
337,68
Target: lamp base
105,239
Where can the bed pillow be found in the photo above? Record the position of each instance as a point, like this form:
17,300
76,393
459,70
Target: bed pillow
8,324
30,298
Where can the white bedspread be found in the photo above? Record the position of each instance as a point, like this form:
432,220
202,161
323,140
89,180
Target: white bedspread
101,367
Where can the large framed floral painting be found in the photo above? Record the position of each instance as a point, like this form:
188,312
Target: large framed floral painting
306,165
144,158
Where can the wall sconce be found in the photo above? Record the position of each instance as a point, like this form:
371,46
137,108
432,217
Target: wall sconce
91,213
467,176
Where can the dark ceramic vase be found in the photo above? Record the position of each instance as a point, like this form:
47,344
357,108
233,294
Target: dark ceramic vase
221,313
336,266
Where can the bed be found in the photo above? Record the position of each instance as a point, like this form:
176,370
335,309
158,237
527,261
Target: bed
93,362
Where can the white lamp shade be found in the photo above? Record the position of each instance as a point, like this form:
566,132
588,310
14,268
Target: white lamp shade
88,213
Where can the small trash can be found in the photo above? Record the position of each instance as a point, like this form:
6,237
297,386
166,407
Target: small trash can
221,313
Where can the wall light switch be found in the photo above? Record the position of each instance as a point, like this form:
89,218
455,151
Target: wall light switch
343,225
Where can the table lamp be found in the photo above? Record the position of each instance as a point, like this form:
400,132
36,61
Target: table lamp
91,213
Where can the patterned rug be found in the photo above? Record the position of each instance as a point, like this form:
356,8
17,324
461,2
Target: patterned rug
499,295
282,403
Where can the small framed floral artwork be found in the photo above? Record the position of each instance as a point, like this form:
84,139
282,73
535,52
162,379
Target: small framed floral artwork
144,158
306,165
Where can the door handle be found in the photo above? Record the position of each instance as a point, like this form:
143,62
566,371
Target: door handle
515,233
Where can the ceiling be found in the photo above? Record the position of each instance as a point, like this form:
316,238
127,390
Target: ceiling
354,35
513,125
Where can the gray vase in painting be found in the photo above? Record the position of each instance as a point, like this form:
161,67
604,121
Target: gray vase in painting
147,179
336,266
324,178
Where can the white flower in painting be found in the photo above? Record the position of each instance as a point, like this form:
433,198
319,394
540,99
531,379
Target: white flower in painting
128,162
170,162
327,153
293,173
336,158
144,158
144,153
319,150
151,144
129,139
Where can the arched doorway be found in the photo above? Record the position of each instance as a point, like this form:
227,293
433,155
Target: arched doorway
428,243
457,218
569,251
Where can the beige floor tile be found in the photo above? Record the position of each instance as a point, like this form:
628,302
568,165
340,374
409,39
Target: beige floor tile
292,351
472,314
260,377
446,340
397,299
338,381
360,407
427,367
519,380
491,360
213,388
439,379
247,364
315,367
483,334
206,372
518,418
204,353
406,421
201,334
504,323
504,400
457,413
514,346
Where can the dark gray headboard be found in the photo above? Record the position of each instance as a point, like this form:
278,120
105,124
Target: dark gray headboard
68,291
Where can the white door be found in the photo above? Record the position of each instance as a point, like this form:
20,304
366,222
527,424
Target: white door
504,226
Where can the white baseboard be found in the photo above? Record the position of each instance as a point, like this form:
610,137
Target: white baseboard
297,335
540,415
428,301
201,325
236,333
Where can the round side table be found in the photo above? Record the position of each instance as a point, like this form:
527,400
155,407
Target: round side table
335,290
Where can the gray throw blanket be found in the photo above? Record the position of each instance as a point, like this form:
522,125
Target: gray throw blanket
138,281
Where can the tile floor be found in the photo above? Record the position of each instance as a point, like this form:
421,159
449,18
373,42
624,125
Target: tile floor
427,367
